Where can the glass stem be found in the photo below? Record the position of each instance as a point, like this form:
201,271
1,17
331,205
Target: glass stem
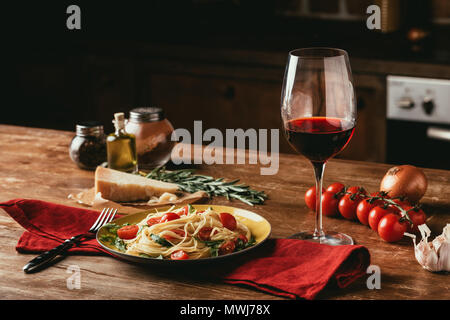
319,168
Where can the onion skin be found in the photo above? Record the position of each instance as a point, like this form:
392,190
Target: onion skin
405,180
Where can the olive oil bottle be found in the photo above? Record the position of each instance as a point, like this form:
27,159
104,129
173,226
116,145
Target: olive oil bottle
121,147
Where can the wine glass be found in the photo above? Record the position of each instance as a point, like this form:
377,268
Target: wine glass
318,111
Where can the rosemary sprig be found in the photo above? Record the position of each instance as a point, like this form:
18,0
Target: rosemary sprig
190,182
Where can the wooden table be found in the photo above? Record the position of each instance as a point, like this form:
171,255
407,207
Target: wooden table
34,163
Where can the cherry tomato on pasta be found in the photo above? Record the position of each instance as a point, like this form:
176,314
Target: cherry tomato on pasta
184,211
227,247
169,216
204,233
228,221
179,232
242,238
153,221
179,255
127,232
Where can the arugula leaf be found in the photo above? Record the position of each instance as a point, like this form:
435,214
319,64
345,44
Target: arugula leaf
160,257
113,227
120,244
107,238
160,240
213,245
190,208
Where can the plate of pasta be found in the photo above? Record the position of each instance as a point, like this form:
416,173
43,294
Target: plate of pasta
184,233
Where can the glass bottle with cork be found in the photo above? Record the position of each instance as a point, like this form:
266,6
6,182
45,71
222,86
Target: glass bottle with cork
121,147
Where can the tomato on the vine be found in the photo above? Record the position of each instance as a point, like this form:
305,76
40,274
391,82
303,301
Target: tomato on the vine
335,187
347,205
390,228
310,198
376,214
363,209
356,189
417,217
330,203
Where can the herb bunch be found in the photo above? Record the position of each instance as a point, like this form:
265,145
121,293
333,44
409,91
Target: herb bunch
189,182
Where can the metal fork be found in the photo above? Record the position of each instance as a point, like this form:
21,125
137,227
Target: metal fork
43,260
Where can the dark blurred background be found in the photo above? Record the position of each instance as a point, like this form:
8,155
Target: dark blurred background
220,61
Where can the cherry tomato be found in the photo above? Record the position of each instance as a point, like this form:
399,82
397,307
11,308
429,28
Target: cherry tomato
380,194
204,233
184,211
335,187
169,216
357,190
127,232
402,203
363,209
179,255
227,247
330,203
347,206
375,216
417,216
179,232
242,238
310,198
153,221
228,221
390,228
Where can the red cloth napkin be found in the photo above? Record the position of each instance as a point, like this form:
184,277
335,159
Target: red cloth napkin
283,267
301,269
49,224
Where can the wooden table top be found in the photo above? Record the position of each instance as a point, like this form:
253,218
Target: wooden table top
35,163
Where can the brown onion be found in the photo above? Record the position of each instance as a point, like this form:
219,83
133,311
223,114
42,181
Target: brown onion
405,180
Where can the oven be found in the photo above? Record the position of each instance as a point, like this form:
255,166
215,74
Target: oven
418,122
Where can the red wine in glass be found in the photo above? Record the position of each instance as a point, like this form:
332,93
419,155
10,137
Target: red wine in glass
318,110
318,138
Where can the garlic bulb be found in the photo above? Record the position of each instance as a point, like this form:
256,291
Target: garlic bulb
433,256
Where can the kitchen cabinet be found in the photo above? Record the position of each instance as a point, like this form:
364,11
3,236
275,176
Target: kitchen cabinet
225,88
231,96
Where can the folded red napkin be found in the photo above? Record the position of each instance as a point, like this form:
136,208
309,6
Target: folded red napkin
49,224
301,269
283,267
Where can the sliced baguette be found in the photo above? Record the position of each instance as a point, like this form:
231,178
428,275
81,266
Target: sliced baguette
125,187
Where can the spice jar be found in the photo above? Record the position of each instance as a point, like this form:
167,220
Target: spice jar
88,147
153,136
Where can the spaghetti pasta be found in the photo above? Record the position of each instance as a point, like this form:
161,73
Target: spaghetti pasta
188,233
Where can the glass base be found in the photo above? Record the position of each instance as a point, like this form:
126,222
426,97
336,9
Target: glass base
331,238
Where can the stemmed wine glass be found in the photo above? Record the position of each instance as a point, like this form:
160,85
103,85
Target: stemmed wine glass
318,111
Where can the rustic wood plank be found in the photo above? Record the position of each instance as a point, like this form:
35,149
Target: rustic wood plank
35,164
